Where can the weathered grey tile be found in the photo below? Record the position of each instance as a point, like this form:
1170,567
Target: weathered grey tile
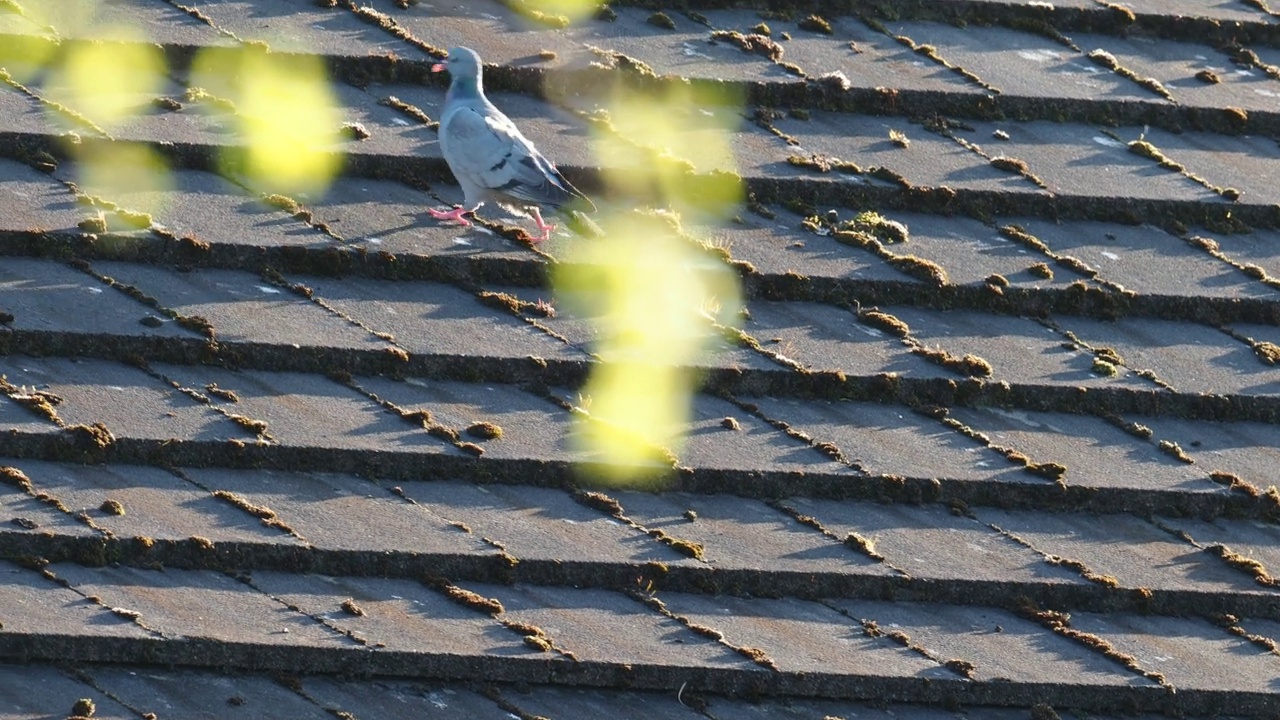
32,200
1021,63
929,160
1144,259
814,709
568,703
1020,350
398,614
160,22
1094,452
1078,159
395,699
971,251
1175,64
1255,248
38,691
753,446
584,325
1221,11
1190,357
1176,648
380,216
1128,549
802,636
436,318
1248,450
823,337
530,427
877,61
341,512
157,504
50,296
309,410
210,208
1002,646
778,246
607,626
175,693
292,27
738,533
15,418
200,604
890,439
1253,539
22,514
125,399
243,307
37,605
538,523
930,542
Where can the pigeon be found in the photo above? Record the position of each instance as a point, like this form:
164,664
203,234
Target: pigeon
489,156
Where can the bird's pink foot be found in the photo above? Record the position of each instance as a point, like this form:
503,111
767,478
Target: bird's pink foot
543,227
455,214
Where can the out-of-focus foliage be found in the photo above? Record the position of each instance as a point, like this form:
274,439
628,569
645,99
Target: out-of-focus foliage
109,80
285,116
658,300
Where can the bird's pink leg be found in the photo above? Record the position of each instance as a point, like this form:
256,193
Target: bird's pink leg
543,227
454,214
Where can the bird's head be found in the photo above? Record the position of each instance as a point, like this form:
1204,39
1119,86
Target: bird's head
462,63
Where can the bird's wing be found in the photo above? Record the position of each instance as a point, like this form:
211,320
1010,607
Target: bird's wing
485,148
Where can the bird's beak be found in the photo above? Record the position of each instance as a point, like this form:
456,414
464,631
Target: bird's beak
438,67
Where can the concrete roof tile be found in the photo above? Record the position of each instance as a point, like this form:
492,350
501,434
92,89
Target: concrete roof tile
1019,350
1145,259
243,307
1094,452
928,160
178,693
1190,357
539,523
398,614
1081,160
28,691
886,439
599,625
1020,62
296,27
1247,450
156,503
803,636
200,604
1175,646
1002,646
37,605
340,512
822,337
299,470
1134,552
44,295
33,200
932,542
385,698
738,533
119,396
436,318
308,411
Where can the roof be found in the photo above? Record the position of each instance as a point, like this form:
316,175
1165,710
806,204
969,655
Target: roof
1003,445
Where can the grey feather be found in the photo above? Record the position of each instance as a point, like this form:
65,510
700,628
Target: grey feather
488,154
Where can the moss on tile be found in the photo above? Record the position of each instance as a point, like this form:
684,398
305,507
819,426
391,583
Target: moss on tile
756,43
